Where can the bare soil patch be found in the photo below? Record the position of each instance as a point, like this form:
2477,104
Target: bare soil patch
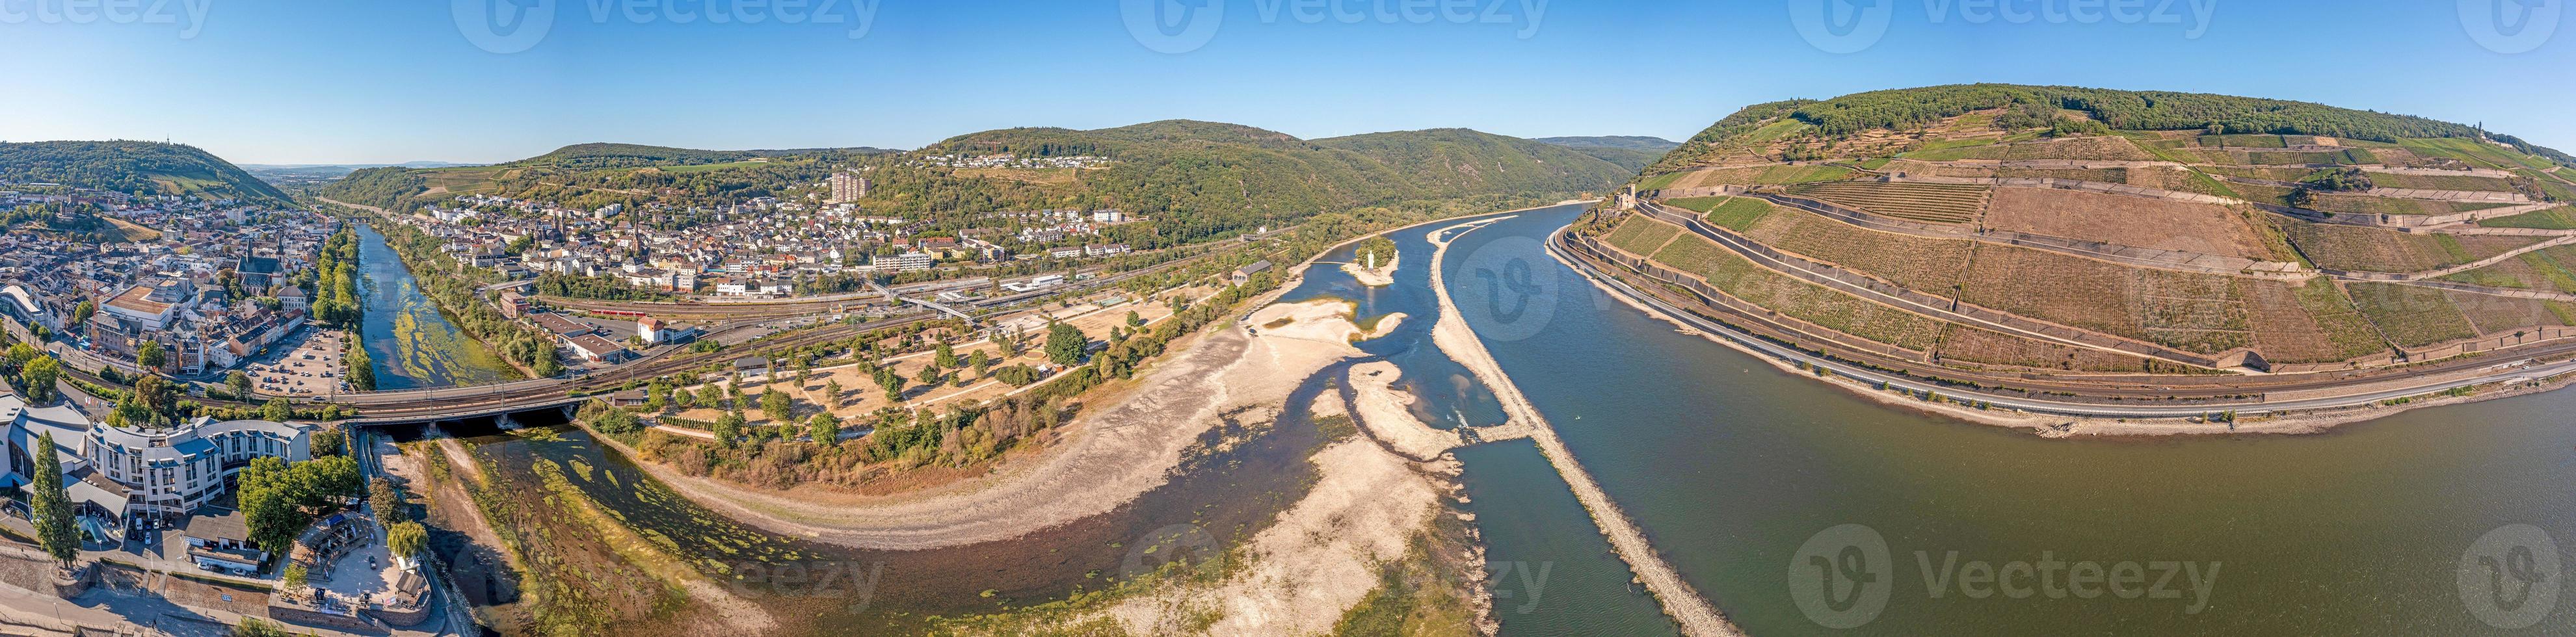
1929,265
1964,344
2130,221
2201,313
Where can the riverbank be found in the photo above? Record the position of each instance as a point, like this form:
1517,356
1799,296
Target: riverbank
1123,446
1693,612
1372,545
1118,450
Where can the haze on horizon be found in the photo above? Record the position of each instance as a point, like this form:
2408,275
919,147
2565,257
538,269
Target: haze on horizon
380,83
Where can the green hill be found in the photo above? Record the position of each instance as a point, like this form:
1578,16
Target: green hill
1630,152
1208,179
1759,131
1194,180
2281,236
133,167
1623,142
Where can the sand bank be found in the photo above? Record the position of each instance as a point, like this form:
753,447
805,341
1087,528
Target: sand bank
1387,415
1106,458
1694,613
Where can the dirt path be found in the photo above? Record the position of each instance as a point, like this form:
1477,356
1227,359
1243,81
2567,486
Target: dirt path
1693,612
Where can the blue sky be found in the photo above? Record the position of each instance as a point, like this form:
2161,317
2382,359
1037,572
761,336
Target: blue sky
369,81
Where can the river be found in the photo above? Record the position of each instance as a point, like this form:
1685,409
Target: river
411,343
1732,465
1732,468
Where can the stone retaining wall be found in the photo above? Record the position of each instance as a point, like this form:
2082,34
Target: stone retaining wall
2438,172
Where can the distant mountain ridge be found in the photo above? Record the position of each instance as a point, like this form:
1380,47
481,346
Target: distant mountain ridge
1193,180
1633,152
1629,142
150,168
611,155
1275,174
1902,109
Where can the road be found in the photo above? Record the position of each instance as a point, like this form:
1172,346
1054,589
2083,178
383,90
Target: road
1555,247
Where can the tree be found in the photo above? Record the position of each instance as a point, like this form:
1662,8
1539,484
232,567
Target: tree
255,627
825,429
51,507
39,377
929,375
82,312
406,538
728,427
330,441
149,356
362,371
277,410
387,500
294,576
981,361
710,396
279,499
832,394
776,404
1134,319
238,383
893,384
605,418
1065,344
945,357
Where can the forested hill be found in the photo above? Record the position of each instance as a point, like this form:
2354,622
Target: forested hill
1192,166
1192,180
605,155
1630,152
2044,106
1629,142
132,167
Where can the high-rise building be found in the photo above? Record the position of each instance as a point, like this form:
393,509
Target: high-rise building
849,187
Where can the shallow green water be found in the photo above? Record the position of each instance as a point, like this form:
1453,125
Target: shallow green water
410,342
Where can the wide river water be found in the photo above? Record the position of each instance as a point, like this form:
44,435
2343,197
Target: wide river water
1736,470
1731,465
412,344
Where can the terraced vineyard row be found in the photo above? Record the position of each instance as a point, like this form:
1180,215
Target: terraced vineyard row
1929,203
